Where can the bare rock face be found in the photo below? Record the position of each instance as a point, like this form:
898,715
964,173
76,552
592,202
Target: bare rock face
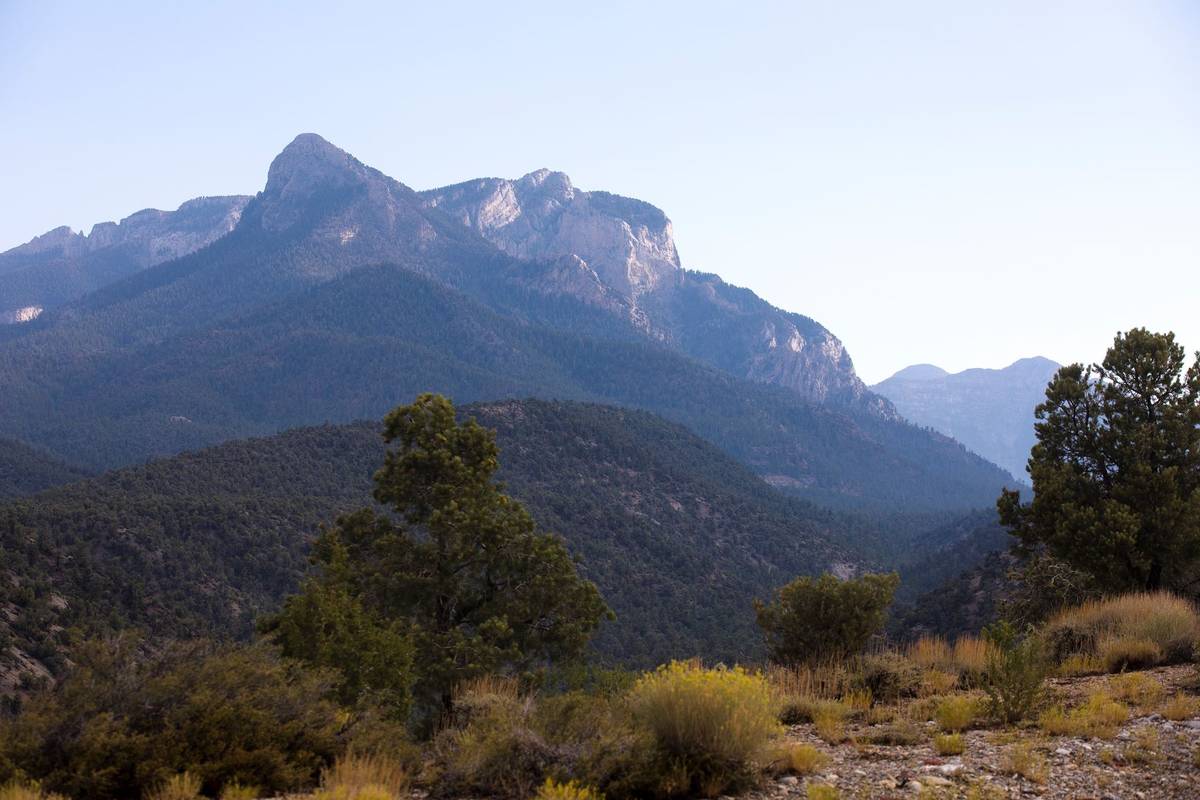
620,255
542,217
62,265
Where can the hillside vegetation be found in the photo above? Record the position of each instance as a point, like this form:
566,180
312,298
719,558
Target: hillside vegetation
203,543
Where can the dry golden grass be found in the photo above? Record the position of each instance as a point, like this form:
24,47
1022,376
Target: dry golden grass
858,700
821,791
1098,718
184,786
363,777
552,790
798,759
1137,689
1130,626
237,791
16,790
829,723
949,744
1023,760
936,681
1144,749
1081,664
1119,653
971,653
930,651
955,714
1181,707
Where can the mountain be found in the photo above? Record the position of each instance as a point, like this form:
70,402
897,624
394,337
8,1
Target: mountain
62,265
26,470
204,542
341,293
627,248
988,410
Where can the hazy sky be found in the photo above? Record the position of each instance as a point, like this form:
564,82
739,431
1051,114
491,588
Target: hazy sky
961,183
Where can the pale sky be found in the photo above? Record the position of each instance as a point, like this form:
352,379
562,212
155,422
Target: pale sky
958,183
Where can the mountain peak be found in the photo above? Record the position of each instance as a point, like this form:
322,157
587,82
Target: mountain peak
307,162
547,181
920,372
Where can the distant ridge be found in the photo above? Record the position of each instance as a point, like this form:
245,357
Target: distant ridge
988,410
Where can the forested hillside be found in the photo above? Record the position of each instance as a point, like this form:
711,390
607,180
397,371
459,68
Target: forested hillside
203,543
25,470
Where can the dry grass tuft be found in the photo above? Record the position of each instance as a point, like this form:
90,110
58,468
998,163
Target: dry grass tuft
16,790
184,786
1098,718
363,777
1138,689
552,790
1023,760
821,791
237,791
949,744
798,759
829,723
955,714
1081,664
1181,707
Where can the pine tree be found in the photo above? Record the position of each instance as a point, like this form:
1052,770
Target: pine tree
459,565
1116,468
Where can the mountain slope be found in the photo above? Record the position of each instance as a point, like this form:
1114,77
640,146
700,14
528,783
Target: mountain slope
340,294
988,410
61,265
25,470
204,542
628,247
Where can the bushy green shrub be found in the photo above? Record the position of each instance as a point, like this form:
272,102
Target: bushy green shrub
708,725
124,722
817,619
1016,670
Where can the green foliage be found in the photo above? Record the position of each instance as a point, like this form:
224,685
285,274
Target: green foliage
326,627
708,725
1016,671
814,619
124,722
1116,470
25,470
205,543
462,566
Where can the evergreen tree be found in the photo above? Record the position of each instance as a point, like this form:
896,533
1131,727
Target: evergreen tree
1116,468
459,565
817,619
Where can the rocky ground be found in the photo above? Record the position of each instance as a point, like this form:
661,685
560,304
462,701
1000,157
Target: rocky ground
1149,758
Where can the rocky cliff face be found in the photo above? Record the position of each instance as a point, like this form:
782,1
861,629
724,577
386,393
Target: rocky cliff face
620,254
62,264
988,410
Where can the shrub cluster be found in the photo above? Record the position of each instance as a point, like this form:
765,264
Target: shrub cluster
1126,632
680,730
125,723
